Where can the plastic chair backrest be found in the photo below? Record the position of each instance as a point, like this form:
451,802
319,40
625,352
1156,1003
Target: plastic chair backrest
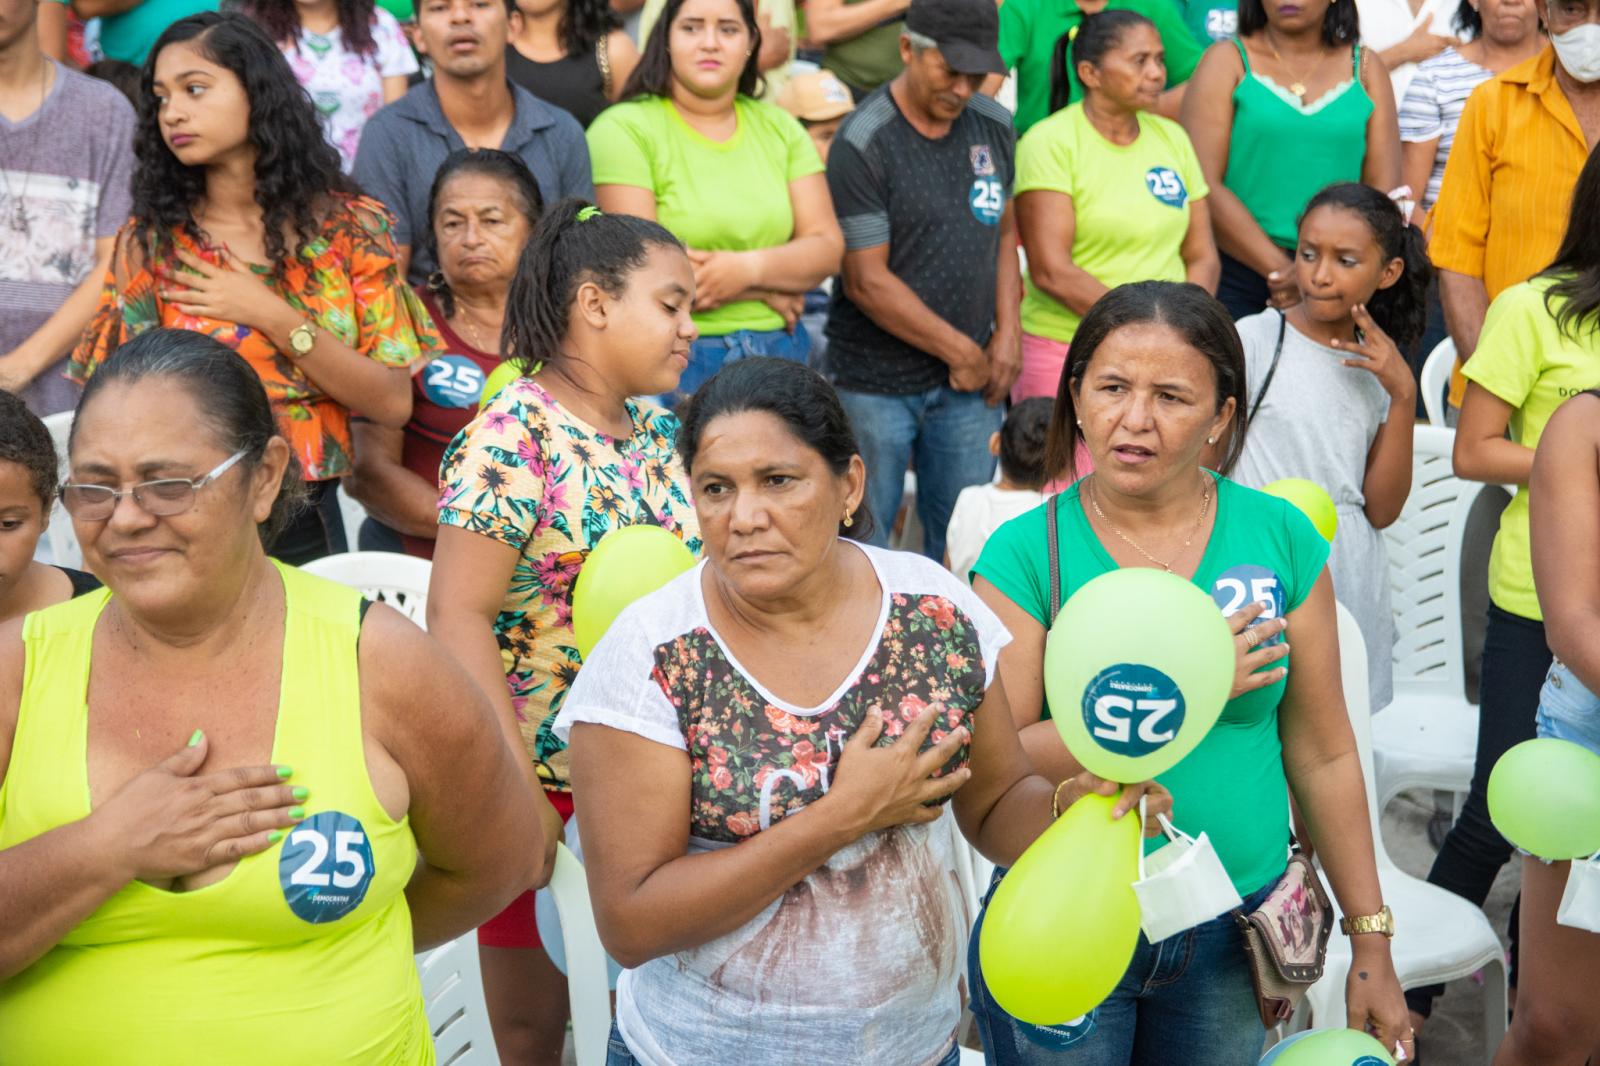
401,581
62,540
1424,548
588,990
1357,702
1435,378
452,992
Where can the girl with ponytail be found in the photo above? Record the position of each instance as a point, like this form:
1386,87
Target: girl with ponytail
597,314
1324,378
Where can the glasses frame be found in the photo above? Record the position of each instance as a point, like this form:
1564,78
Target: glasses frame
195,485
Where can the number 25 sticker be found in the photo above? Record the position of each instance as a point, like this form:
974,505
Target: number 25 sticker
325,867
1239,586
1132,709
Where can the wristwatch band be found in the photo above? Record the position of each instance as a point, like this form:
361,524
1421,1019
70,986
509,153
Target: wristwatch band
1382,922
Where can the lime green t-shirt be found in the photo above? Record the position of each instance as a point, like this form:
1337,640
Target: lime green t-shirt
714,196
1526,360
1029,30
1232,786
1131,203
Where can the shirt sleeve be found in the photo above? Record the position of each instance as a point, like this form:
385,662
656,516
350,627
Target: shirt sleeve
1044,159
1014,562
1420,117
1014,33
620,149
395,57
381,169
801,151
489,480
1308,553
1506,361
992,633
392,326
128,306
619,687
859,198
116,180
1460,218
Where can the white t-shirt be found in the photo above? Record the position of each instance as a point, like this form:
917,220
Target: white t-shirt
1386,23
860,962
1432,108
348,88
979,511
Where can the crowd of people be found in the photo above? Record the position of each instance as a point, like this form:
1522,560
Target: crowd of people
791,283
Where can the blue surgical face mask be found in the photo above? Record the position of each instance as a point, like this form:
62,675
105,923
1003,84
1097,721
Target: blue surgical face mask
1579,51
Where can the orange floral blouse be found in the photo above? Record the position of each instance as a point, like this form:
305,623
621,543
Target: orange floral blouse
348,281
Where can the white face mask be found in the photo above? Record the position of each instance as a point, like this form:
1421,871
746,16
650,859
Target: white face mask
1182,885
1580,903
1579,51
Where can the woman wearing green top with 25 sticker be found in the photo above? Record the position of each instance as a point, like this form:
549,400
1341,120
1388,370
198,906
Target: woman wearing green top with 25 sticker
1156,375
734,178
1106,193
1292,105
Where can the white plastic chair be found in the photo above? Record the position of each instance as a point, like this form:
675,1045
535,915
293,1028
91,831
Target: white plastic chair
1435,378
352,514
61,543
452,991
1438,935
1427,738
401,581
588,989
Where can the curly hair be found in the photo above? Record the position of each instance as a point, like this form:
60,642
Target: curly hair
583,24
297,170
281,20
24,440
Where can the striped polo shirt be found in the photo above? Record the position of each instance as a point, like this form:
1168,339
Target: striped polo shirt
1432,109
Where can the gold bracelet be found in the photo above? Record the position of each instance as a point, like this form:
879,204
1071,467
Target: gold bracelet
1055,799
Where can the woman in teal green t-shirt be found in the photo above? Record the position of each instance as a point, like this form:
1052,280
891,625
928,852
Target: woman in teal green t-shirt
1156,376
734,178
1292,105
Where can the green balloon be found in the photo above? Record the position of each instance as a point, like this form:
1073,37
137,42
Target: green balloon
1137,667
1335,1047
499,378
1544,797
1312,499
626,564
1062,927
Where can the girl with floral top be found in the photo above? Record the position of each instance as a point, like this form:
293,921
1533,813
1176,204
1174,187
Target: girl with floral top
599,311
247,231
351,56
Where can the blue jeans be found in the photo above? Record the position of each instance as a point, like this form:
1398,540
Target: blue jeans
617,1053
709,354
1186,1001
945,431
1568,710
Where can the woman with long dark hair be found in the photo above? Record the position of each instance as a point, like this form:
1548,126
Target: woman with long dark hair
351,56
571,53
1293,104
245,228
734,178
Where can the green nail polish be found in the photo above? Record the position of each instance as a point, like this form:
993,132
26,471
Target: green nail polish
301,793
285,771
297,813
274,836
196,738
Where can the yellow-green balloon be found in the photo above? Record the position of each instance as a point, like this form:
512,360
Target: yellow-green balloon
1335,1047
1137,667
499,378
1544,797
1312,499
626,564
1061,929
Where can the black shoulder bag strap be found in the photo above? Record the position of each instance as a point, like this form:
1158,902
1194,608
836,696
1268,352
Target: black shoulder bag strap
1055,559
1277,352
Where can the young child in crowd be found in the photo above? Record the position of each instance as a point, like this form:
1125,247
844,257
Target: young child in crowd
1324,377
982,509
820,101
28,477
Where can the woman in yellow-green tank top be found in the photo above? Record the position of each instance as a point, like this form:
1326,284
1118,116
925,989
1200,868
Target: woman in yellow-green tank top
256,894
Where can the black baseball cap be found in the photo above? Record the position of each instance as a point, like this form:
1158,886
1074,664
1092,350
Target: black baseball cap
966,31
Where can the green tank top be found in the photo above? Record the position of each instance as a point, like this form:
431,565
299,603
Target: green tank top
1283,152
302,954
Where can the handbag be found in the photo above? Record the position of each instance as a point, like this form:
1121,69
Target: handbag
1286,939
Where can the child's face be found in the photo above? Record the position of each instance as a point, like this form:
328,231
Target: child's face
822,135
22,522
1339,263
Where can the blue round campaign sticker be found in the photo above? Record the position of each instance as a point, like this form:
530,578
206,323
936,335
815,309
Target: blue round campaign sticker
452,381
1060,1036
1239,586
1369,1060
987,200
1131,709
1165,185
325,867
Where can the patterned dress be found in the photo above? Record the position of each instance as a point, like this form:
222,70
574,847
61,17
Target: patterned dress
530,474
347,280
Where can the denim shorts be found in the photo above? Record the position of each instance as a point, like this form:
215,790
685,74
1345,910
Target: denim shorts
1568,710
617,1053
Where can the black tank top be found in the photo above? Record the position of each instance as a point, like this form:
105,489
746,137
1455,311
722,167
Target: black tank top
573,83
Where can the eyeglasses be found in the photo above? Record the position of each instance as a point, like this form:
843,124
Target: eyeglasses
162,499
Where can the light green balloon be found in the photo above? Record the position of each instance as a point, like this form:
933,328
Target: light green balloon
1137,667
1335,1047
1062,927
498,378
626,564
1312,499
1544,797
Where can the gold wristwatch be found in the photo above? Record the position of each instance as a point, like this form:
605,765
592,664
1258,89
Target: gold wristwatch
1382,922
302,339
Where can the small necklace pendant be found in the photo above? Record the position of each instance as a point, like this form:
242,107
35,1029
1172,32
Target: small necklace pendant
1299,89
